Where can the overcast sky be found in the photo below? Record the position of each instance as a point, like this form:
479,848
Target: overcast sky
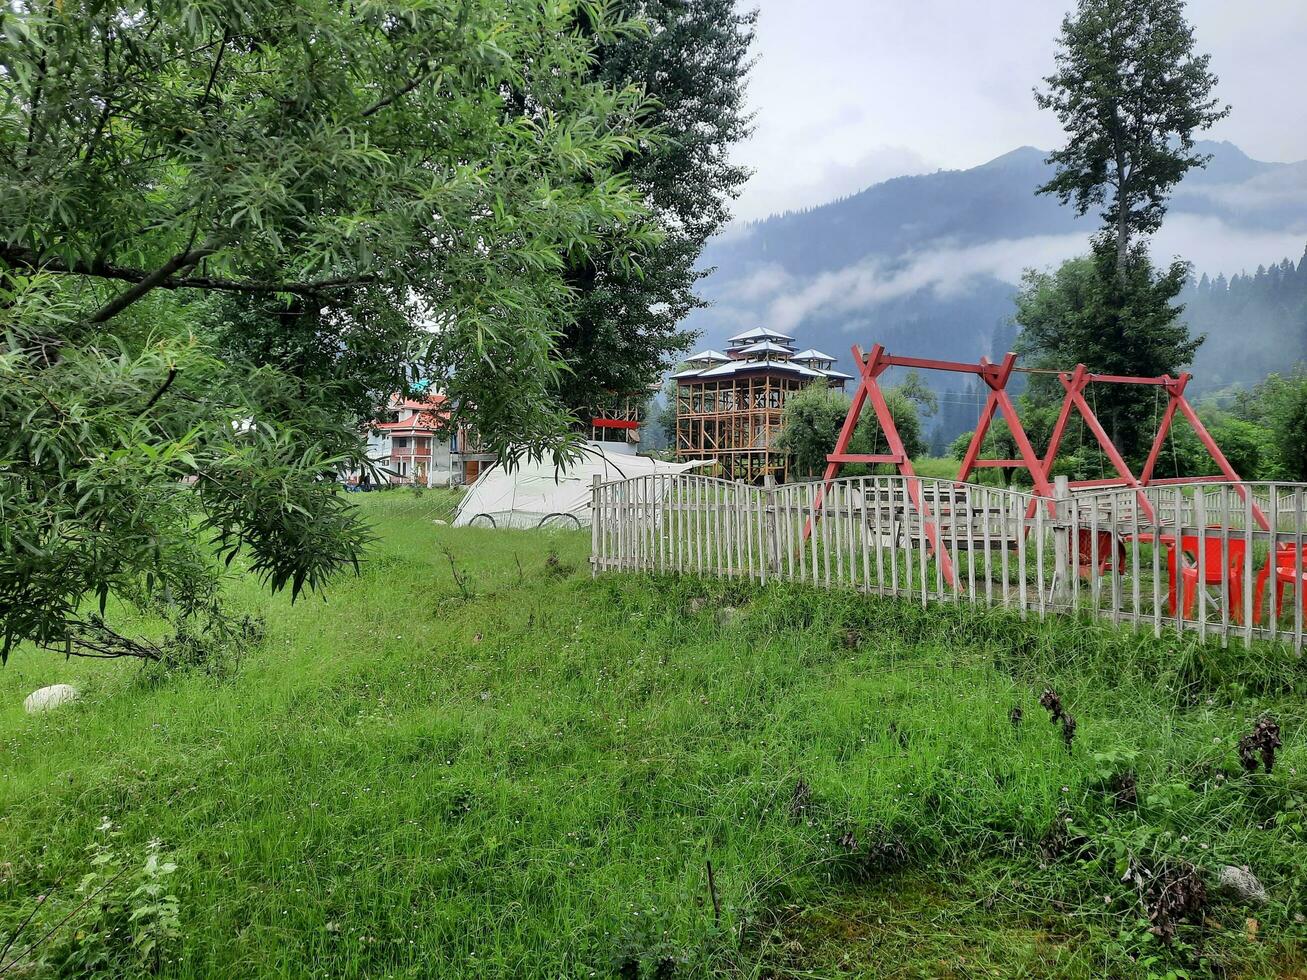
852,92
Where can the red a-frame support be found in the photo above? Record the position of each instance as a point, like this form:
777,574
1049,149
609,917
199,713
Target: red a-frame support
871,366
1075,383
876,361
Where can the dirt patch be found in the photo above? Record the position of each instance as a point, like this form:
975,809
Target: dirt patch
906,925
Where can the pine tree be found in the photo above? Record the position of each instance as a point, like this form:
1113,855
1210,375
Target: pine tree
692,61
1130,91
1129,324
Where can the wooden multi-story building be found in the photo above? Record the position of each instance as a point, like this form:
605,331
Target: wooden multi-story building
729,405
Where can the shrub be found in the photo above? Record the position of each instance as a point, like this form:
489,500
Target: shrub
129,917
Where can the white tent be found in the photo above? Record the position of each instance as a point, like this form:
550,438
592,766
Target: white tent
537,495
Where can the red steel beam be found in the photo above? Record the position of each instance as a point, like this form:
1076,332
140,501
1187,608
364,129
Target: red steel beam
1063,416
1174,392
864,458
869,368
1111,481
928,364
997,377
1125,379
1218,457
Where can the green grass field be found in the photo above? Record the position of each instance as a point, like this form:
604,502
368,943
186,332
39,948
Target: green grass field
521,771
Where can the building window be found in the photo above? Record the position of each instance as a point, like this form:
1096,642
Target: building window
401,442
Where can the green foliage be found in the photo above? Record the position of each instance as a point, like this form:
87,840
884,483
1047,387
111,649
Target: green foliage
814,416
810,426
905,408
691,61
666,418
1278,407
123,462
997,444
1130,92
213,644
1086,312
129,916
915,390
1244,443
361,350
449,159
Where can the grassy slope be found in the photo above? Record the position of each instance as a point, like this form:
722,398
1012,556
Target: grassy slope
530,782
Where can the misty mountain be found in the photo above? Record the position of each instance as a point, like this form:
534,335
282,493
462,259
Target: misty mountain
928,264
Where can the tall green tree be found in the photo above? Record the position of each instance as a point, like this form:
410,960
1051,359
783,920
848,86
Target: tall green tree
692,61
439,163
1130,91
1115,323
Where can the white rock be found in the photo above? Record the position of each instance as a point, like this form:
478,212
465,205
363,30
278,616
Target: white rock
1241,884
49,698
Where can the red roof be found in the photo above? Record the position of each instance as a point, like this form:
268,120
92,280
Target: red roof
431,414
423,423
432,401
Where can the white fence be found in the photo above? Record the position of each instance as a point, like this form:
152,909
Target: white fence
1218,559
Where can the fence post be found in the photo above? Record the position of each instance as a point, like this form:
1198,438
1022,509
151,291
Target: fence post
595,530
1062,531
769,524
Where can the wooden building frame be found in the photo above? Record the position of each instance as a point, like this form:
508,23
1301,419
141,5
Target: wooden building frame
730,407
735,422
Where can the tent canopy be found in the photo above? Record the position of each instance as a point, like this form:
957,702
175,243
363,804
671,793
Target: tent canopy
537,495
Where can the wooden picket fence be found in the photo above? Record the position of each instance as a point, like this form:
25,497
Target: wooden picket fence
1221,559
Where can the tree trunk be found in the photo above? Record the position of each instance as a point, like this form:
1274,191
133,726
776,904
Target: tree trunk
1122,215
1122,239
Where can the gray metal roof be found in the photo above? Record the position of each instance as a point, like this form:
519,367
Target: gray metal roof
732,368
767,347
707,355
758,333
812,354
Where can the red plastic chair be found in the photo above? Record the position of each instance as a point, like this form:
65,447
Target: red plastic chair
1228,574
1287,564
1111,552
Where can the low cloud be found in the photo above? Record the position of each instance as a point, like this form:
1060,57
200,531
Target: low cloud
1213,245
762,283
950,270
945,269
1284,187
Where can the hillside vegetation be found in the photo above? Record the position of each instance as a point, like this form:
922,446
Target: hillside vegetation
475,760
